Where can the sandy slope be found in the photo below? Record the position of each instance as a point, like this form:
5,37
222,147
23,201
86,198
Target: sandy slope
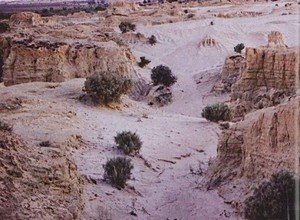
175,133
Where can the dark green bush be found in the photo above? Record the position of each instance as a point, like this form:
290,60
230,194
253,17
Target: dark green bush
152,40
5,126
104,88
128,142
143,62
126,26
217,112
273,200
162,75
3,27
45,144
118,171
238,48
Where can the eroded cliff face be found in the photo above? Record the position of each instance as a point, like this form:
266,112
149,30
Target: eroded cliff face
56,62
233,66
268,79
253,149
264,140
59,49
37,182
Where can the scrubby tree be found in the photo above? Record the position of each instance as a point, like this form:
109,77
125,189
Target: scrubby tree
162,75
3,27
152,40
273,199
143,62
238,48
126,26
5,126
217,112
128,142
118,171
105,87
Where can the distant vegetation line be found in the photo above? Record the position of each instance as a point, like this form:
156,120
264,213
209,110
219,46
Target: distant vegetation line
54,8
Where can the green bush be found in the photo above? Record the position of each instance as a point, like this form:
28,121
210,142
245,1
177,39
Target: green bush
126,26
3,27
273,200
152,40
104,88
5,126
238,48
143,62
162,75
217,112
128,142
118,171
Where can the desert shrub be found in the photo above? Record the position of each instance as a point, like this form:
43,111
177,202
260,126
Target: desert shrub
104,88
143,62
190,15
238,48
128,142
5,126
152,40
273,199
217,112
45,144
126,26
118,171
3,27
162,75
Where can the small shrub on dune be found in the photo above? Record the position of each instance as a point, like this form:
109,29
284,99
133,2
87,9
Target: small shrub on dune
143,62
5,126
217,112
3,27
273,200
162,75
238,48
128,142
126,27
118,171
152,40
105,88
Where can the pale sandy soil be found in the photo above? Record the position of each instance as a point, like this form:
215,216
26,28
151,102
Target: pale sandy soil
175,133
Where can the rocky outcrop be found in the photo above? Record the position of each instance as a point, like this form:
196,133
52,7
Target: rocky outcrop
231,71
57,48
269,78
275,40
263,142
253,149
25,18
134,38
37,182
159,96
46,61
209,41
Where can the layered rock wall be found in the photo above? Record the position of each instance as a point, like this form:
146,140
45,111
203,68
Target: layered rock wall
268,79
232,68
37,182
58,48
259,145
269,68
26,61
264,140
